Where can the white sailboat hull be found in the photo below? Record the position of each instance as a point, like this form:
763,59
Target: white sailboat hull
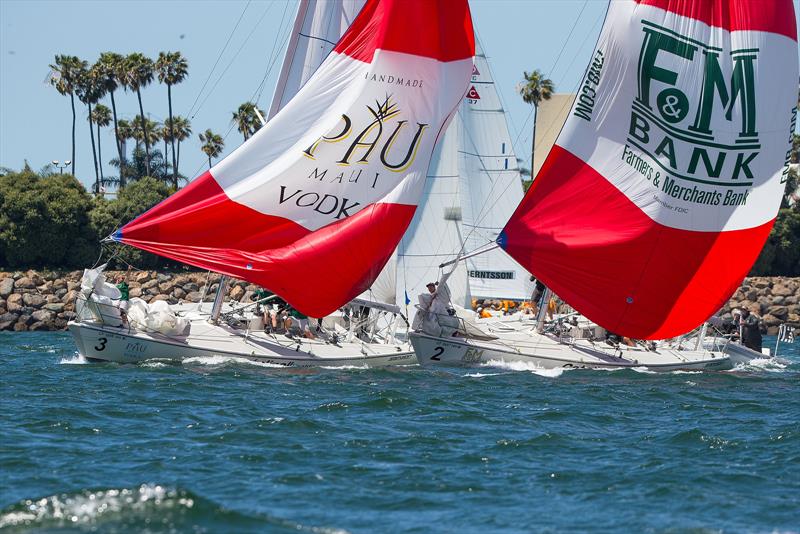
123,345
546,352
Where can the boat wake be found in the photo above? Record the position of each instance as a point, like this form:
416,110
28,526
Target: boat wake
218,361
75,359
524,366
770,365
138,509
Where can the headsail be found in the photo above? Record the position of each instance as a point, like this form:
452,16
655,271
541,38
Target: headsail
318,26
666,179
314,203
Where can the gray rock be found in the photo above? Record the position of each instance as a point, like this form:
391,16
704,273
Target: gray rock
61,292
178,293
166,287
56,307
24,283
751,294
51,299
7,320
20,327
781,312
159,297
164,277
770,320
25,319
135,292
236,293
782,290
73,286
150,284
41,326
33,300
6,287
68,315
191,286
193,296
42,315
60,324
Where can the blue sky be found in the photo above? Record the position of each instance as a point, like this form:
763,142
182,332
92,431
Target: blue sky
35,120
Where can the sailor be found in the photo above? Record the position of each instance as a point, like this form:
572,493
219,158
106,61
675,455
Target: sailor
537,294
295,316
273,306
124,292
751,330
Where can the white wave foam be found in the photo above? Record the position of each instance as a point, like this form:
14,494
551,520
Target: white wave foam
76,359
86,507
771,365
481,375
217,360
525,366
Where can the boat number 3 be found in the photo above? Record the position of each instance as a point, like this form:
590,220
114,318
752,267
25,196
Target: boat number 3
102,346
439,351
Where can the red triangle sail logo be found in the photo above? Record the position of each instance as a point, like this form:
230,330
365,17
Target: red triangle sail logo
472,94
475,71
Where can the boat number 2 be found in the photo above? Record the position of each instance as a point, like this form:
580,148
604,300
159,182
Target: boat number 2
439,351
102,346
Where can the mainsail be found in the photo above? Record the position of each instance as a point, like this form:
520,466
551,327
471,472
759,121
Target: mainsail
313,205
666,179
491,186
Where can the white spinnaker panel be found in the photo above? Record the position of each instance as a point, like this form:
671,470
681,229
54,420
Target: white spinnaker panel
318,25
491,186
433,236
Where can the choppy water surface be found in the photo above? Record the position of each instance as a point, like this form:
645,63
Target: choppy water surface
227,446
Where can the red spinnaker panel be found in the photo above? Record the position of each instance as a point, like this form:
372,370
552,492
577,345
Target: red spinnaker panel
313,205
666,179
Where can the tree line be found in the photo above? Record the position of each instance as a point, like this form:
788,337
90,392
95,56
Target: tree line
91,83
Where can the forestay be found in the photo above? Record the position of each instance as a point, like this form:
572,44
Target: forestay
665,181
313,205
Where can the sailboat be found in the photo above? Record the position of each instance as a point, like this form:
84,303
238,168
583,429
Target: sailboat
472,187
314,204
661,189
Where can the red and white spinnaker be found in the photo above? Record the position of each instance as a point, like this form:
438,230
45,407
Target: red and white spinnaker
313,205
665,182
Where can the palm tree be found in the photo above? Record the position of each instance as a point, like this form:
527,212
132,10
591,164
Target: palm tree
172,68
183,129
212,145
108,67
247,120
534,88
66,71
102,118
152,130
89,91
138,73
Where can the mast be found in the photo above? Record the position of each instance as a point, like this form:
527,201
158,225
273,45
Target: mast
218,299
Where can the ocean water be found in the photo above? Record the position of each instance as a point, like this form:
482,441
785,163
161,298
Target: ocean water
227,446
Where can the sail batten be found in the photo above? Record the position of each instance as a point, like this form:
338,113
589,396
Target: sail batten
667,176
313,205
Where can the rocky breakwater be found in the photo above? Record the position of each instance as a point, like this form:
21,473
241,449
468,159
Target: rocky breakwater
775,299
46,300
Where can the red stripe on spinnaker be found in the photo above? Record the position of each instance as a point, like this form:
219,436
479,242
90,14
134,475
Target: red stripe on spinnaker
313,271
438,29
775,16
596,249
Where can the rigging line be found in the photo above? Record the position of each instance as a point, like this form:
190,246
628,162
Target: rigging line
575,88
580,80
273,55
191,109
230,63
552,69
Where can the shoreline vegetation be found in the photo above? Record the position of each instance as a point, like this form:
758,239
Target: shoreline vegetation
45,300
